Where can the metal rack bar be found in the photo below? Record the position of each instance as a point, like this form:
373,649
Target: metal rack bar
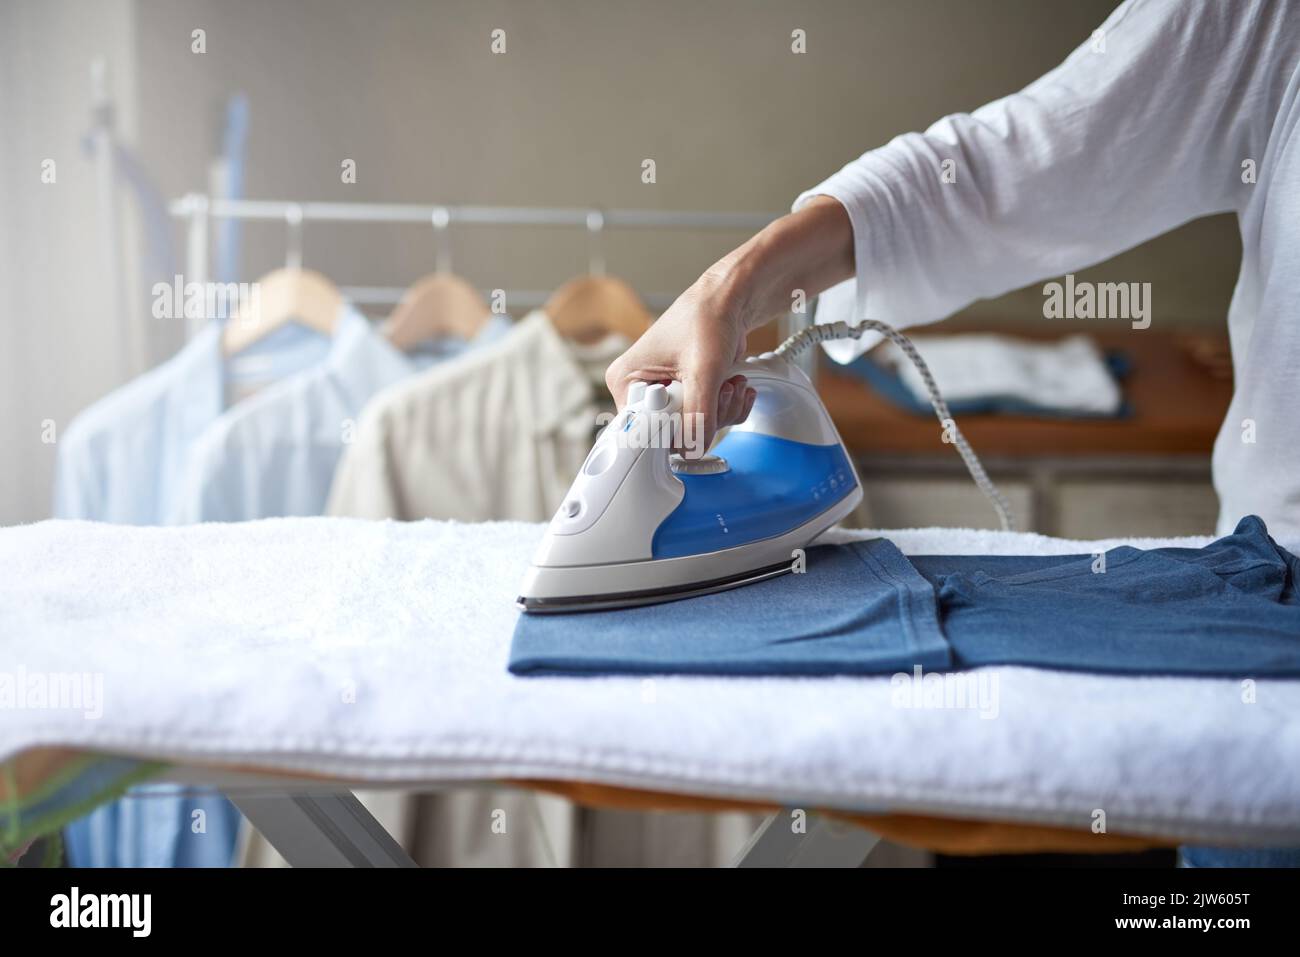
423,213
103,135
517,298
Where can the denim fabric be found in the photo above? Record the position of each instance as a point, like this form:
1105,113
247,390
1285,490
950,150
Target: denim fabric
1239,857
1230,608
860,609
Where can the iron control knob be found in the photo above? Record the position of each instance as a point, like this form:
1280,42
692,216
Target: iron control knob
704,465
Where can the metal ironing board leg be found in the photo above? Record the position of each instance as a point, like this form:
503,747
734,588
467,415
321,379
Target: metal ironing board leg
336,830
823,843
322,830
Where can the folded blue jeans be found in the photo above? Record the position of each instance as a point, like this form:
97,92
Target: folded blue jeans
858,609
1230,608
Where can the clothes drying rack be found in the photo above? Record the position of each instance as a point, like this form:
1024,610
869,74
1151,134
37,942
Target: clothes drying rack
198,211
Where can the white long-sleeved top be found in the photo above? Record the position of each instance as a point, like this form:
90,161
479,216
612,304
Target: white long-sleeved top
1173,110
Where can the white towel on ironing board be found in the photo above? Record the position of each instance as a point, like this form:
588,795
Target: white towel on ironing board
1067,376
377,651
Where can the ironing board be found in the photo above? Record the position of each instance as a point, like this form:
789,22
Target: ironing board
224,647
317,822
320,823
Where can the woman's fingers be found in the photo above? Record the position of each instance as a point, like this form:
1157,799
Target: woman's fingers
706,409
735,401
702,408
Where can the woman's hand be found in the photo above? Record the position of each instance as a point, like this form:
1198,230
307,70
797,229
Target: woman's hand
696,342
702,335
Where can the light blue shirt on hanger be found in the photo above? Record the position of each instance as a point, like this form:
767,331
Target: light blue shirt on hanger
120,459
274,454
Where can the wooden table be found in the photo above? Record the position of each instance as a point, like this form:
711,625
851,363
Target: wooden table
1178,403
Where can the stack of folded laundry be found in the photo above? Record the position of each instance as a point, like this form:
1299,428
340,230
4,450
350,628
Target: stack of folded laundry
986,373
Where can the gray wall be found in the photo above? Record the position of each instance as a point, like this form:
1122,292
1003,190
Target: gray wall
57,352
585,92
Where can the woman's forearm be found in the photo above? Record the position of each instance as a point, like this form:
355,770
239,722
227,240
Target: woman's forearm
807,251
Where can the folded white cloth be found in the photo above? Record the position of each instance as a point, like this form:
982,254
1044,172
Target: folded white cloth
1068,376
377,651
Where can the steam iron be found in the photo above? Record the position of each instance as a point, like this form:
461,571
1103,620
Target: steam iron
642,525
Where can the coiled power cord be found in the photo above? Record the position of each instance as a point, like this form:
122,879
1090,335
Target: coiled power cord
804,339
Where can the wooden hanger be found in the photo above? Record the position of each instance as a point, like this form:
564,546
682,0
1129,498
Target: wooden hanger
439,305
284,295
588,308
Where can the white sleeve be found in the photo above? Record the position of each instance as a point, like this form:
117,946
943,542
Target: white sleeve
1143,127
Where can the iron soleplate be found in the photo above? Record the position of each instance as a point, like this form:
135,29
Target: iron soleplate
654,596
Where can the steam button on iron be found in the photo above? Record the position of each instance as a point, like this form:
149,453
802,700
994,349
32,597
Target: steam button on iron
656,397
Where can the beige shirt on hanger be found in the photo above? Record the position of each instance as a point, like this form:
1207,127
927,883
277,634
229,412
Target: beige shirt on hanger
497,435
